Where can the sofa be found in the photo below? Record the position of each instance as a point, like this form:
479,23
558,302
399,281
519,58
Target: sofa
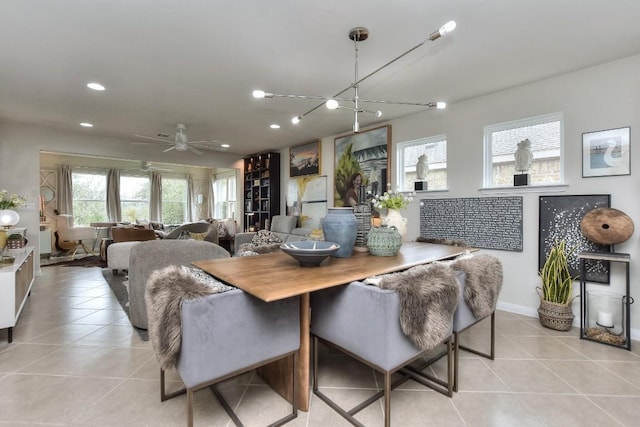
284,226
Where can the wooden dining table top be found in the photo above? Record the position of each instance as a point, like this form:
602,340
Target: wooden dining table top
275,276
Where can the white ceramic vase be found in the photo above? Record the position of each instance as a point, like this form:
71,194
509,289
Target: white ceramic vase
395,218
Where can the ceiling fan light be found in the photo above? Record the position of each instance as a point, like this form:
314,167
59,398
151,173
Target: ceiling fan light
225,145
296,120
332,104
95,86
441,105
274,126
378,113
86,125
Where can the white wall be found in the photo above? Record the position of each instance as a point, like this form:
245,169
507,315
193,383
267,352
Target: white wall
602,97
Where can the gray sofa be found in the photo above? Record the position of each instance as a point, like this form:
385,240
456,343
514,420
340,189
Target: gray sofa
152,255
284,226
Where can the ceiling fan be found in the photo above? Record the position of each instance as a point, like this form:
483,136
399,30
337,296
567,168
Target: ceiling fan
147,166
181,143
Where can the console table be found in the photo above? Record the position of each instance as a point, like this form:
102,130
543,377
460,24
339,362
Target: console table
15,285
590,323
280,276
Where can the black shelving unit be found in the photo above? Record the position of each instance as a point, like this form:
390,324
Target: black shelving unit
589,331
261,190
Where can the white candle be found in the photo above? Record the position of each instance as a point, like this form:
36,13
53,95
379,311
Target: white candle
605,319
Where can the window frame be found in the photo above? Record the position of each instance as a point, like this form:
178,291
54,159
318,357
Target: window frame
512,124
87,171
400,158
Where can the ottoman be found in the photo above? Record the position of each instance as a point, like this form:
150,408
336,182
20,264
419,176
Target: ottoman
118,255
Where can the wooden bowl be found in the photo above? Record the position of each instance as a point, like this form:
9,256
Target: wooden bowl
606,226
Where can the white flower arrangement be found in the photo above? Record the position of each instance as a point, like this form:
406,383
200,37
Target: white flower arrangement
391,200
14,201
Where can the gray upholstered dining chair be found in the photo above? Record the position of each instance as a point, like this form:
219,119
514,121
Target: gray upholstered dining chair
380,327
480,279
147,257
211,332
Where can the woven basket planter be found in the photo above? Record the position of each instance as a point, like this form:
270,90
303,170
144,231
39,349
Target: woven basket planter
555,316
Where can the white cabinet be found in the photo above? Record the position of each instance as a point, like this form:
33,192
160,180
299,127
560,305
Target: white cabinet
15,285
45,241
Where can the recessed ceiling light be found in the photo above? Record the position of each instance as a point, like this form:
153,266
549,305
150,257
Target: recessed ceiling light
275,126
86,124
95,86
225,145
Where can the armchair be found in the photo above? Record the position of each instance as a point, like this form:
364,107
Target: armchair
69,237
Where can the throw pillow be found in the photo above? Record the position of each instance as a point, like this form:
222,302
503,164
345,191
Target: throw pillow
197,236
222,229
206,279
265,237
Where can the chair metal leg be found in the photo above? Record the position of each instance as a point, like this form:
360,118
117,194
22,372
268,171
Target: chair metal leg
387,399
457,347
163,394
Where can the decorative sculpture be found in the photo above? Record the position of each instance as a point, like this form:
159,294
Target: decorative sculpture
524,157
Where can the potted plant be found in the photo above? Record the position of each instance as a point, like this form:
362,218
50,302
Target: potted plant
556,293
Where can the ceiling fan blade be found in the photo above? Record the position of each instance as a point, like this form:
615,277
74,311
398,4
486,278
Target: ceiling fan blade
208,141
154,139
194,150
169,149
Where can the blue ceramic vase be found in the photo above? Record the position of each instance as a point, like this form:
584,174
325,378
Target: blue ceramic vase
341,226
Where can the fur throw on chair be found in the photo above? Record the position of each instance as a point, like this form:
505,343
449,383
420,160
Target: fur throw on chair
428,298
164,293
483,282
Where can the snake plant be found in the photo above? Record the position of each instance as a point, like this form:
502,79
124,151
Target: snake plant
557,282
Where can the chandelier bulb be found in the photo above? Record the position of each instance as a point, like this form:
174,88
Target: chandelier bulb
356,127
259,94
440,105
331,104
296,120
447,28
378,113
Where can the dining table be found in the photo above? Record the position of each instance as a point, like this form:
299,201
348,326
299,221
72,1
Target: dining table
275,276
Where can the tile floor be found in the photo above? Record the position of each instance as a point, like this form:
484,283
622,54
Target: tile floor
76,360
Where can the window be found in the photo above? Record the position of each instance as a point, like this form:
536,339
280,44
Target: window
134,197
224,191
435,148
174,200
546,136
89,197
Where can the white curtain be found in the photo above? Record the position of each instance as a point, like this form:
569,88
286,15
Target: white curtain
155,198
65,190
211,206
191,198
114,210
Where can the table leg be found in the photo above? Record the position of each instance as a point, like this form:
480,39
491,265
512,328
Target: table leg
278,374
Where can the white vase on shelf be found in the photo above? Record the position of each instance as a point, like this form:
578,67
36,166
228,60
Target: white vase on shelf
395,218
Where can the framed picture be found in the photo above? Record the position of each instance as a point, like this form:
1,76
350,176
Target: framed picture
560,218
304,159
307,199
606,153
362,165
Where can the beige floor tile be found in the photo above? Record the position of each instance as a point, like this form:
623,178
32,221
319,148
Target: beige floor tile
494,410
49,398
546,347
17,355
344,371
528,376
597,351
624,409
567,410
100,317
24,332
590,378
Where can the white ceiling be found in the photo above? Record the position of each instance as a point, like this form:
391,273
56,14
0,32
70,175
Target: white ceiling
197,61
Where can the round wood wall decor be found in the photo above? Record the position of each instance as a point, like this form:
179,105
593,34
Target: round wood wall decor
606,226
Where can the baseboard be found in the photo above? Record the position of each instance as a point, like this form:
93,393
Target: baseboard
532,312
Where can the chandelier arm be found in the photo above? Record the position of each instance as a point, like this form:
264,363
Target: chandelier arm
419,104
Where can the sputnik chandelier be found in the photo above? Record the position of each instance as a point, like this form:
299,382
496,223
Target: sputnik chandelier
359,34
